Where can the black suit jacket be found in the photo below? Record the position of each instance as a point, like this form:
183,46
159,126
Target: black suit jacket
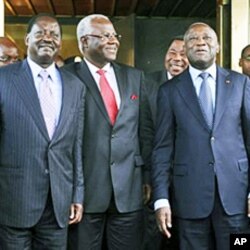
152,83
31,163
113,163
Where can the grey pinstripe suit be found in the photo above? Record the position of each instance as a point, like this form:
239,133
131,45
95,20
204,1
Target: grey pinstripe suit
29,162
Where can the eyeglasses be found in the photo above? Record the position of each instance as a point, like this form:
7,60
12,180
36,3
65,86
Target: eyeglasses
247,58
6,59
106,36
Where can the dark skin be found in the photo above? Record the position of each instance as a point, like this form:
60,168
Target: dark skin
100,51
8,51
44,42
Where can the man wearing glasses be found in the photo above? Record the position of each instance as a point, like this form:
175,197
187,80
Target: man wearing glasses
245,60
8,51
116,109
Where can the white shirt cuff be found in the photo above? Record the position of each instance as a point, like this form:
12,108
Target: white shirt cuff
161,203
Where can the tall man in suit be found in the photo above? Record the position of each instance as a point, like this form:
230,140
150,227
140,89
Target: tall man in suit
203,132
8,51
113,165
175,63
41,129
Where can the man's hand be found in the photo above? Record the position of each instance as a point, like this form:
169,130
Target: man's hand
164,221
76,211
146,193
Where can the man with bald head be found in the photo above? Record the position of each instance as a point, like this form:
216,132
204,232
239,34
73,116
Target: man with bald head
8,51
202,146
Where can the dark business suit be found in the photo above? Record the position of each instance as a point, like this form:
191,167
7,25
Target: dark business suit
207,165
152,83
113,165
153,238
33,167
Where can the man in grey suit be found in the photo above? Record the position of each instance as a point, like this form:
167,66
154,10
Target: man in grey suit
113,165
41,129
203,133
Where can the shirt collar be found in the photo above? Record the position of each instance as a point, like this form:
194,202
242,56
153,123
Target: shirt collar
196,72
36,69
93,68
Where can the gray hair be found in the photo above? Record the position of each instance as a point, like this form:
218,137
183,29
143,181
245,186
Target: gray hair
84,27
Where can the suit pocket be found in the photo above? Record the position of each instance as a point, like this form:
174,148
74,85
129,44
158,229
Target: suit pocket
138,161
243,164
180,170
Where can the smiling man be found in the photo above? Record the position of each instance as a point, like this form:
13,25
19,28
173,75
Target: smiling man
116,109
41,128
202,146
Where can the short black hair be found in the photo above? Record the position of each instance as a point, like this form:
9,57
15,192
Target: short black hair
244,50
174,38
34,19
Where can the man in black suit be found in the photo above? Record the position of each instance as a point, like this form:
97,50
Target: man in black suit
175,63
41,129
202,146
113,164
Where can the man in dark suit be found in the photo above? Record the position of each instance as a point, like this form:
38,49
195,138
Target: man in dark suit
175,63
113,165
41,129
203,132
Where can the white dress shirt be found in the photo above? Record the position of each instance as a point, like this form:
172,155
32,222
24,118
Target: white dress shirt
110,76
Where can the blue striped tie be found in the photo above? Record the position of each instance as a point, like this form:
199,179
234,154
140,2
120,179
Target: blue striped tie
206,101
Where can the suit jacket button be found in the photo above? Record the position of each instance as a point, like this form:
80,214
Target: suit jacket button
212,139
211,163
46,171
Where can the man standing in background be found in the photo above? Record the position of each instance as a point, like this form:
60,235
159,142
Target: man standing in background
175,63
8,51
245,60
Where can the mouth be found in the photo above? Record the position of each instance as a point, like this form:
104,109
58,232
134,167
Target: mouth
111,49
46,47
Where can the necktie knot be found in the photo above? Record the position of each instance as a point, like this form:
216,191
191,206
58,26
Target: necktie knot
101,72
44,75
204,75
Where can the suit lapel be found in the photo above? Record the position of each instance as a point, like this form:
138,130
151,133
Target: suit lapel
85,75
188,93
66,102
25,86
121,79
224,90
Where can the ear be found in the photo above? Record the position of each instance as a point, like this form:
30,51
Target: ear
84,41
240,62
26,39
218,48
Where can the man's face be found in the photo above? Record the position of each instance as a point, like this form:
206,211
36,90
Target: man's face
101,45
175,59
8,55
201,46
245,62
44,41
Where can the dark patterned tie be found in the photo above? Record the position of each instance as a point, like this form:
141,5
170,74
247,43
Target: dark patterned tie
206,101
108,96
